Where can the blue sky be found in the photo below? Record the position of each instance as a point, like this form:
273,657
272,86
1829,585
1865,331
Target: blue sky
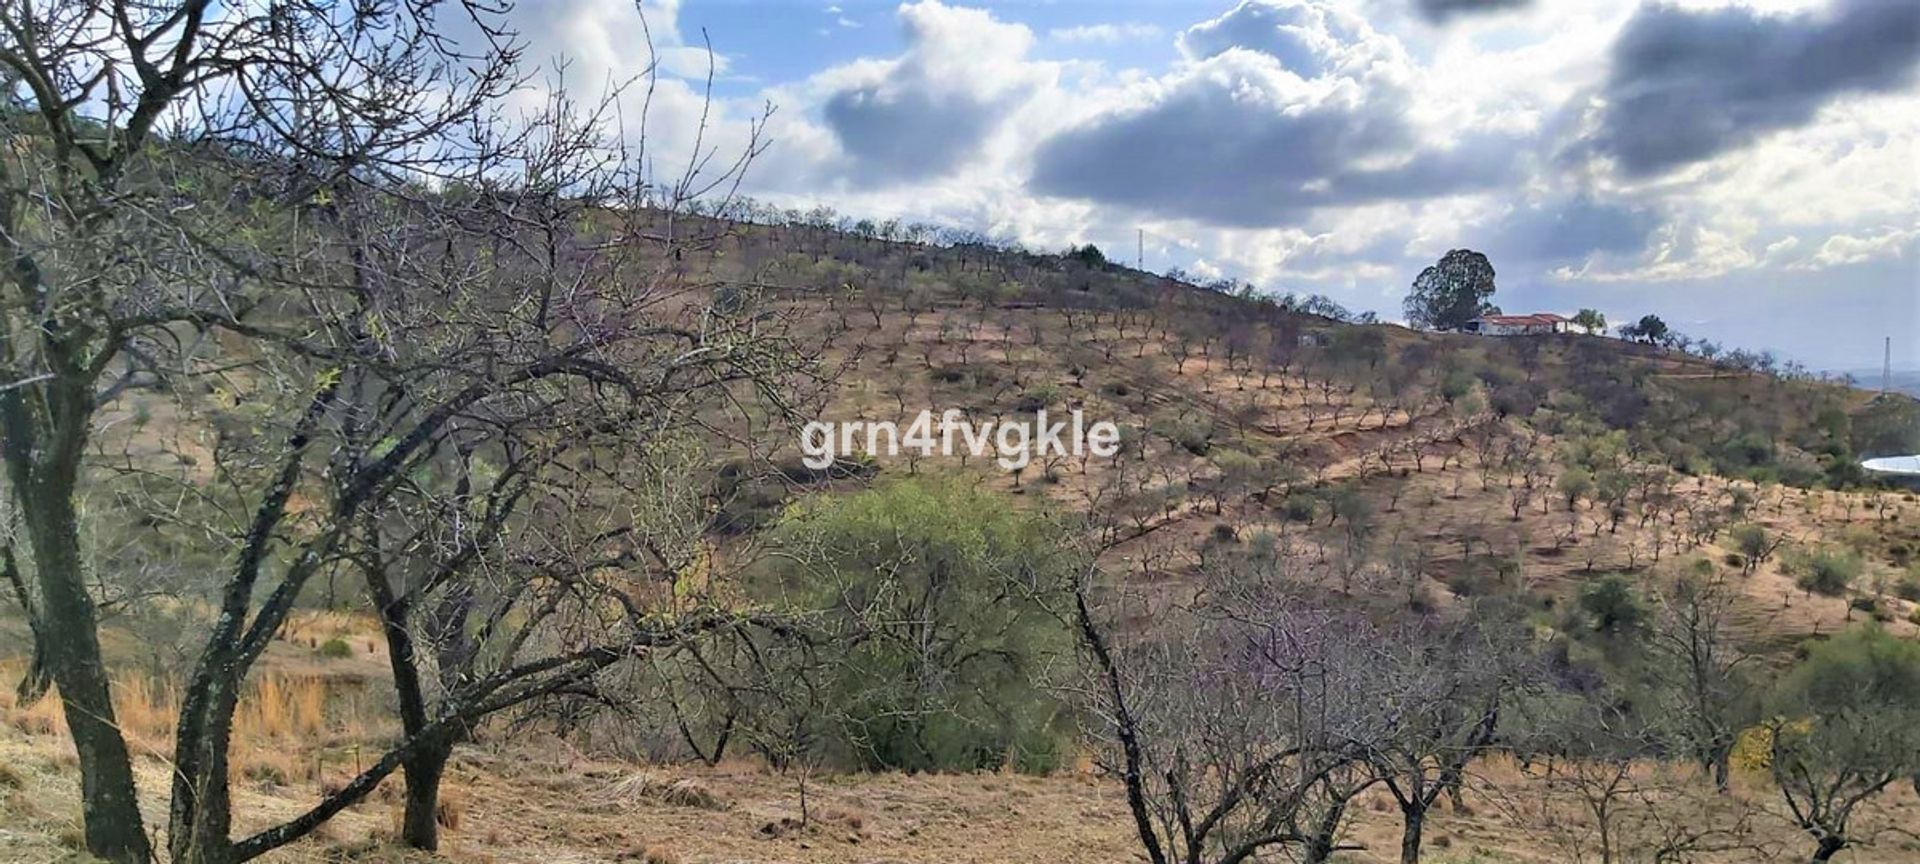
1747,169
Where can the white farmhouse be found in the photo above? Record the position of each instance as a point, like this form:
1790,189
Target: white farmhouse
1537,324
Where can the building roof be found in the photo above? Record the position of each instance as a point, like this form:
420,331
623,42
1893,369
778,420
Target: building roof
1537,319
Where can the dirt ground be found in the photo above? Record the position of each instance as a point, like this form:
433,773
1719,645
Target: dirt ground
539,801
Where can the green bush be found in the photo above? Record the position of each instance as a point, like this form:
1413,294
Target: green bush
336,649
1036,397
934,595
1827,571
1192,432
1301,507
1610,606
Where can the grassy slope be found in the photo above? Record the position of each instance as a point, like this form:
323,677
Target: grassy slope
542,802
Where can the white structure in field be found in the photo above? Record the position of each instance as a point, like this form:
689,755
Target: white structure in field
1899,470
1537,324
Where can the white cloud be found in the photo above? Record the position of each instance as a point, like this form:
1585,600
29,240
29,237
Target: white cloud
1105,34
1843,249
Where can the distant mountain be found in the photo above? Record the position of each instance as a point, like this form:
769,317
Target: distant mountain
1904,380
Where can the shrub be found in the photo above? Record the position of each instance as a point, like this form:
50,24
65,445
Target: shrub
1610,606
1036,397
1191,432
1301,507
934,595
336,649
1827,571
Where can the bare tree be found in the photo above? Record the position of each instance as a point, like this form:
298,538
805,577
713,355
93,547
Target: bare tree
234,261
1700,670
1449,681
1240,727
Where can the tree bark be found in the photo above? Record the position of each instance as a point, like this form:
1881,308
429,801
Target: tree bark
1414,821
201,818
70,640
420,824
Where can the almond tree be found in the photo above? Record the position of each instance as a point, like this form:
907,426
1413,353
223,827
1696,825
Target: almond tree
313,260
1451,680
1239,726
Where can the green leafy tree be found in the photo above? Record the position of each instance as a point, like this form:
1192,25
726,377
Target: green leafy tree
1574,485
1453,292
1591,321
1611,607
934,596
1649,329
1089,256
1755,546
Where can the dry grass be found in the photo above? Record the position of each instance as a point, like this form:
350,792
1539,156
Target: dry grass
282,708
676,791
275,724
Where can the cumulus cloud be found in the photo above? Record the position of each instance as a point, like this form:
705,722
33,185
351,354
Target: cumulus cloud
1283,107
1310,39
1685,85
1104,34
1843,249
925,113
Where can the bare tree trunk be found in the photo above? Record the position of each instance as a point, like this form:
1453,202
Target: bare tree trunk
420,825
67,633
423,768
200,820
1413,819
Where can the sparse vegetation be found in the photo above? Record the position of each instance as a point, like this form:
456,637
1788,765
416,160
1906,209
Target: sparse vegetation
391,456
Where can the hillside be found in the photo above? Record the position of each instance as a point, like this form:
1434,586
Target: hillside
1244,415
1408,470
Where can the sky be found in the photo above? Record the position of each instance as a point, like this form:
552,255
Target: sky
1749,171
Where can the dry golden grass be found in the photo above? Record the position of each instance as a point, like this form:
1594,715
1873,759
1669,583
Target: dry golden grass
282,708
276,725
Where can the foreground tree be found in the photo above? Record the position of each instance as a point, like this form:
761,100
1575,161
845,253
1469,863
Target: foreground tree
1847,726
1224,742
937,607
1452,292
276,266
1453,680
1244,725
